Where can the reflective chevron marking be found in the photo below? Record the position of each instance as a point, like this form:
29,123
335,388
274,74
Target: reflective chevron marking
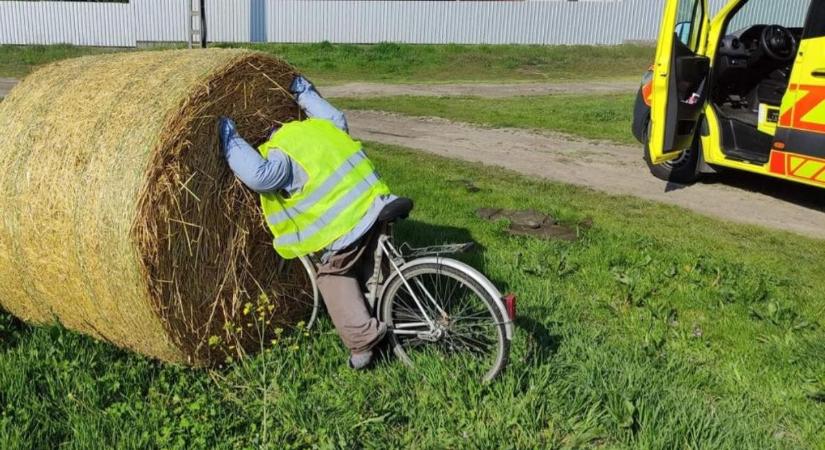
797,166
809,111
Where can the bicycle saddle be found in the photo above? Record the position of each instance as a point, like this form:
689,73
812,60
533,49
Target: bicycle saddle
397,209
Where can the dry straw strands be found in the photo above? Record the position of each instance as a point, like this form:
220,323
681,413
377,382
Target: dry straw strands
120,217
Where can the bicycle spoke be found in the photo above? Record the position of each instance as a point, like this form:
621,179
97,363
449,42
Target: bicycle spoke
474,343
443,297
411,325
475,347
451,295
469,348
482,315
433,300
440,312
432,308
466,333
410,308
478,332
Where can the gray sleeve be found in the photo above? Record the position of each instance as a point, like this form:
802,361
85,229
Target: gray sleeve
316,106
259,174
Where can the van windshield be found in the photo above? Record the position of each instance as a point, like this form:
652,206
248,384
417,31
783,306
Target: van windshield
788,13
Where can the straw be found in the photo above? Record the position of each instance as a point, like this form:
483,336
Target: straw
121,219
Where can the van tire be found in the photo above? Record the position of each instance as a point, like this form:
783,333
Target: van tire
682,170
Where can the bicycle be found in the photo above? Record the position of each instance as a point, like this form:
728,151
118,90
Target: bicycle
430,302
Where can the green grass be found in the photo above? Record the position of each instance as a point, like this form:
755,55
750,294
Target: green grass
659,328
336,63
591,116
16,61
389,62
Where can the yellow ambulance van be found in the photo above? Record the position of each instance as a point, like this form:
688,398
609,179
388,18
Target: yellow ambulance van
743,90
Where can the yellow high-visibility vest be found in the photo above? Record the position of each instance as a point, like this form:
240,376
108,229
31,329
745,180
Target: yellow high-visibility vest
340,188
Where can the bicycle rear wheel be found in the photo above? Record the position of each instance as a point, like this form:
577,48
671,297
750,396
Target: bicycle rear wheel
467,329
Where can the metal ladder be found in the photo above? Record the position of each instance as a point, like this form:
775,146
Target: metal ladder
196,24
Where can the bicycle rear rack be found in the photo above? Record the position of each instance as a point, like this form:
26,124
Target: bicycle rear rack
435,250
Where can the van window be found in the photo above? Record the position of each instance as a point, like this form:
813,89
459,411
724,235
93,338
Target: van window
788,13
815,27
689,19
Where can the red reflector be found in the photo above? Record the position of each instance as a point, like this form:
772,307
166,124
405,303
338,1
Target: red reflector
778,163
510,304
779,145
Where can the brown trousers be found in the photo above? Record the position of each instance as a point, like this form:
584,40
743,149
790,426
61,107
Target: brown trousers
341,279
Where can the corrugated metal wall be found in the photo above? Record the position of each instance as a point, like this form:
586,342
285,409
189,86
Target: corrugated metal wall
557,22
536,22
96,24
233,20
350,21
789,13
160,20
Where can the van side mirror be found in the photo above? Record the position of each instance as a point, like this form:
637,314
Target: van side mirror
683,30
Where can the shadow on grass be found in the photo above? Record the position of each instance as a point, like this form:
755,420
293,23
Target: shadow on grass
542,344
422,234
11,329
799,194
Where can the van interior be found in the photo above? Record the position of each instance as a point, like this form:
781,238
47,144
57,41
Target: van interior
750,76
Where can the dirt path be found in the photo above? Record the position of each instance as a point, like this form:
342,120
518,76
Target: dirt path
611,168
5,86
365,90
360,90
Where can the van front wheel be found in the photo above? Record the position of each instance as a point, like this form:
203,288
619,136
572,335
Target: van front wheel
682,170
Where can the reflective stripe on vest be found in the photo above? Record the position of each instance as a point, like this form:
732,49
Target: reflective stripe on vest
340,188
342,171
359,190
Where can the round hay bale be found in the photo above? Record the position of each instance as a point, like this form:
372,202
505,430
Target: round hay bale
121,219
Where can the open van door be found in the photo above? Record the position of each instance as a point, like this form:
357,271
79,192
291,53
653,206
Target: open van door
801,128
680,79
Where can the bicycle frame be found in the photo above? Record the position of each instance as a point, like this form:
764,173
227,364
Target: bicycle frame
385,249
397,260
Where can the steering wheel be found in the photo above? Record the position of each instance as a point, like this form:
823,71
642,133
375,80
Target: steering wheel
778,43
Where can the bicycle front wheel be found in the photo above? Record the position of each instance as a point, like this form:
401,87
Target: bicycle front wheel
442,313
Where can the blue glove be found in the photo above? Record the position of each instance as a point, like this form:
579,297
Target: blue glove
300,85
226,130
